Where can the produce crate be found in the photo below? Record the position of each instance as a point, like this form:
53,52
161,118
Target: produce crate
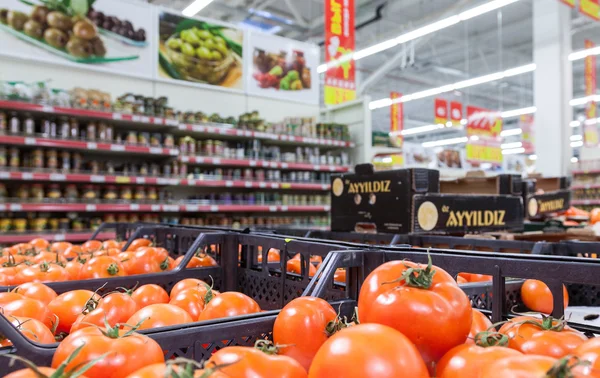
122,230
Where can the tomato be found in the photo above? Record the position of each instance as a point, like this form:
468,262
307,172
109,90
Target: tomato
187,283
431,310
127,259
43,272
60,247
36,290
537,296
251,362
9,296
461,280
190,300
137,243
546,337
159,315
480,323
473,277
101,267
306,316
112,252
124,354
73,267
113,308
589,351
295,266
468,360
531,366
148,260
339,276
22,248
227,304
49,257
110,244
30,308
40,244
31,328
368,351
149,294
162,371
272,256
197,261
72,252
30,373
5,280
91,245
68,306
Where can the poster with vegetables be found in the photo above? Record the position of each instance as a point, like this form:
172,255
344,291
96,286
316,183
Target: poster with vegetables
200,51
282,68
106,35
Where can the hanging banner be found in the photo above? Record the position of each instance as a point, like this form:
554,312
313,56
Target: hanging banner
483,129
440,111
590,8
396,120
570,3
456,112
527,140
590,127
340,80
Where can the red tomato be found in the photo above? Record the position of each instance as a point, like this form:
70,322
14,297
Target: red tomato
101,267
148,260
339,276
537,296
197,261
48,257
31,328
112,252
110,244
590,351
546,337
9,296
190,300
36,290
187,283
60,247
91,245
530,366
351,353
43,272
461,279
68,306
72,252
480,323
127,259
159,315
73,267
124,354
251,362
149,294
272,256
468,360
306,316
295,266
22,248
30,308
162,371
228,304
40,244
138,243
434,312
30,373
113,308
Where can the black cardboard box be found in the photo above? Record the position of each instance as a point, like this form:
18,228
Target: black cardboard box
556,196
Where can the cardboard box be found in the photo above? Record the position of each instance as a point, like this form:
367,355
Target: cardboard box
556,196
501,184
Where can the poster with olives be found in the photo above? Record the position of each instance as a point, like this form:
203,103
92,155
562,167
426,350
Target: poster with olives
200,51
109,35
282,68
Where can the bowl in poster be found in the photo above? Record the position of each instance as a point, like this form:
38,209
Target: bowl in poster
278,70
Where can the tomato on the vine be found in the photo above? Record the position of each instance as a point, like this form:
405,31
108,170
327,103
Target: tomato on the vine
31,328
149,294
101,267
590,351
60,247
112,309
526,366
159,315
480,323
138,243
228,304
43,272
40,244
537,296
190,300
188,283
73,267
30,308
36,290
197,261
68,306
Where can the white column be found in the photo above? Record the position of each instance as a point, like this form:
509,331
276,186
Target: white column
553,86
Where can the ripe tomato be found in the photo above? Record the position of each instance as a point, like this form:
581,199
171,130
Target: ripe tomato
36,290
113,308
73,267
91,245
148,260
190,300
127,259
461,280
295,266
302,325
68,306
480,323
197,261
101,267
30,308
468,360
146,295
31,328
546,337
251,362
60,247
4,280
40,244
537,296
49,257
162,371
272,256
137,243
432,311
22,248
43,272
112,252
187,283
228,304
352,353
72,252
530,366
590,351
473,277
339,276
124,354
9,296
110,244
159,315
30,373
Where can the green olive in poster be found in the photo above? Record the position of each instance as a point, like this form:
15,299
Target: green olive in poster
221,48
204,34
210,43
219,39
174,43
39,14
56,38
79,48
16,19
59,20
33,29
190,37
203,53
216,55
4,16
85,30
188,49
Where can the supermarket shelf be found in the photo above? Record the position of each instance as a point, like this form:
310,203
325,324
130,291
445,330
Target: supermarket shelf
585,202
143,180
585,171
203,160
128,207
83,145
70,236
206,129
585,186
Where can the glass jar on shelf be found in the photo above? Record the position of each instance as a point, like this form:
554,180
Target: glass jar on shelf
78,224
64,224
54,191
53,224
89,192
3,192
5,224
22,192
14,160
37,192
52,159
126,193
65,160
77,161
110,193
110,218
140,193
74,128
71,192
152,194
20,224
28,125
3,158
14,124
63,128
131,137
3,122
91,131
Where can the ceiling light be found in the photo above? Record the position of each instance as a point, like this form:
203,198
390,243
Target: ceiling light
584,100
421,129
513,151
520,70
418,33
576,137
518,112
577,144
532,157
574,159
581,54
508,146
195,7
574,123
511,132
445,142
474,137
463,121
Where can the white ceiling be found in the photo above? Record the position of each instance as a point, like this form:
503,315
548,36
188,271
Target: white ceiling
493,42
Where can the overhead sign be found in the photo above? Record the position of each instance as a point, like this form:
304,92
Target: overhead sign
527,134
340,78
440,111
483,129
396,120
590,127
570,3
590,8
456,112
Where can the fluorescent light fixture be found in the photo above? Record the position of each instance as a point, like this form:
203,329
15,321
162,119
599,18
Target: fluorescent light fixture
584,100
463,121
508,146
581,54
592,121
574,123
474,138
518,112
381,103
577,144
513,151
576,137
532,157
421,129
574,159
418,33
445,142
511,132
520,70
195,7
449,124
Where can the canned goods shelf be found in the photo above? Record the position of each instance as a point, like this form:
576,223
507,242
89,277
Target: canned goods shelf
204,160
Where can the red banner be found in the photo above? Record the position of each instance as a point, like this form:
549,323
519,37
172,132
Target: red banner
590,128
340,84
440,109
483,122
396,120
527,136
570,3
456,112
590,8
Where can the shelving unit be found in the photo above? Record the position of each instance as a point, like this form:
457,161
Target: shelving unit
585,186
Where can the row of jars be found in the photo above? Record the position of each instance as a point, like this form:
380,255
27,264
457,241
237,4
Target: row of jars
260,198
73,192
255,221
260,175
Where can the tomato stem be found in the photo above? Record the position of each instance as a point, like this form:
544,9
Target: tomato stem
487,339
563,368
417,277
112,269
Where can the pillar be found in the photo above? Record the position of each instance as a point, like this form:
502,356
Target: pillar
552,86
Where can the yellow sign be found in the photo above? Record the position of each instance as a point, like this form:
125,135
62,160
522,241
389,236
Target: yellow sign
335,95
484,154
